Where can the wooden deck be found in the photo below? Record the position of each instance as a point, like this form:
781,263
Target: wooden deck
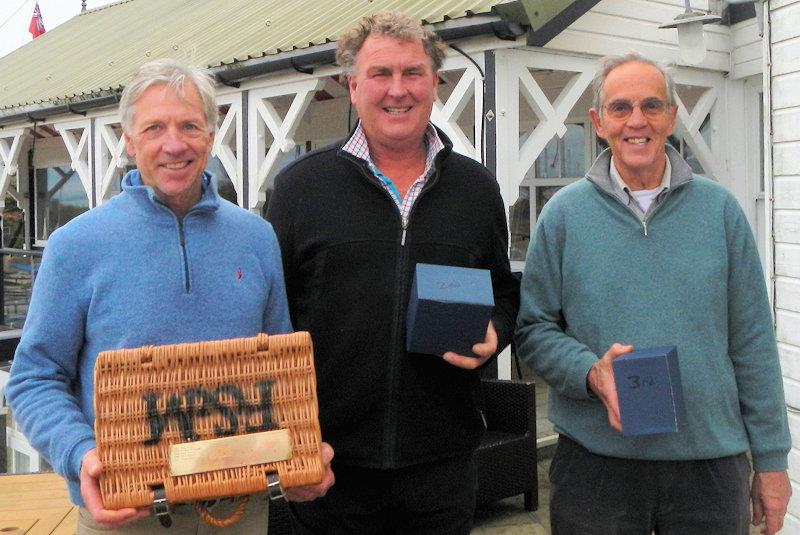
36,504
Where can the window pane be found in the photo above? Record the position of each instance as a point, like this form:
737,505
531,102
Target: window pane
548,164
574,151
13,222
59,198
544,194
224,184
564,157
520,216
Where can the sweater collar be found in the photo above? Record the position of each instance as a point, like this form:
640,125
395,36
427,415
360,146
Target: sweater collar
209,198
600,175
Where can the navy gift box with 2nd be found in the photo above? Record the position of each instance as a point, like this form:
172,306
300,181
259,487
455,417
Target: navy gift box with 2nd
448,310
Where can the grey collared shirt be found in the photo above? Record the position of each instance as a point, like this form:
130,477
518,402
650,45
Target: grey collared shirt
622,190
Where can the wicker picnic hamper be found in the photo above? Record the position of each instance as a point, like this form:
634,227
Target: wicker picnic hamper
156,397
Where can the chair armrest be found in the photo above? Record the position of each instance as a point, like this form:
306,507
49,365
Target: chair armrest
510,406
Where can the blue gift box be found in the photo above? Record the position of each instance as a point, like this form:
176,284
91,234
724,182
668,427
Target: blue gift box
449,309
649,390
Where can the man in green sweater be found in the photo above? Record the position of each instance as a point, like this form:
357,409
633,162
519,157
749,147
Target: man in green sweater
643,253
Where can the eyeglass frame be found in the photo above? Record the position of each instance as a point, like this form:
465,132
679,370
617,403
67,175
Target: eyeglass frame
656,113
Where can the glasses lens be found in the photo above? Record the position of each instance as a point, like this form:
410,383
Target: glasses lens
619,109
653,107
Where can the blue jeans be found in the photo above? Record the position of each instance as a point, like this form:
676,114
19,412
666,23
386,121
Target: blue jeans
597,495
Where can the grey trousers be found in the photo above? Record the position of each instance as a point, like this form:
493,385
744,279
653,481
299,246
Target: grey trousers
597,495
185,521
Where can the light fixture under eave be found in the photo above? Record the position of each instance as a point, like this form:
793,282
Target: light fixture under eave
691,39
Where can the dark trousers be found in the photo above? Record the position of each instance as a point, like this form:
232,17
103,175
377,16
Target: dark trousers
598,495
436,498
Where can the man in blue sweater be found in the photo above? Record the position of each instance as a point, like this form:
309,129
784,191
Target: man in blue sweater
642,253
165,261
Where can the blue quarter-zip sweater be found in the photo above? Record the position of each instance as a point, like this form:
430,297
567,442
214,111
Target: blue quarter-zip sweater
126,274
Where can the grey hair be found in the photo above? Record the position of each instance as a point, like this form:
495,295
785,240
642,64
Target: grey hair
387,24
609,63
175,75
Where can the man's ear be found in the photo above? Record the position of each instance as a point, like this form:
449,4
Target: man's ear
351,85
129,148
598,124
673,116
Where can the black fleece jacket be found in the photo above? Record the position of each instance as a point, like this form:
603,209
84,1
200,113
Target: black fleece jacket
348,265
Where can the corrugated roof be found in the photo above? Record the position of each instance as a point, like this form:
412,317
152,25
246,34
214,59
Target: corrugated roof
98,50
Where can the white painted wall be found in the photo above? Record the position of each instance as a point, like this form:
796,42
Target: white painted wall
784,49
747,50
618,26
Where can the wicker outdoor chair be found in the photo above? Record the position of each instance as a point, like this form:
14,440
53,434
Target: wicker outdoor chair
506,457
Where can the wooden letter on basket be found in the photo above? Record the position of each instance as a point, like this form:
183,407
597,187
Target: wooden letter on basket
229,452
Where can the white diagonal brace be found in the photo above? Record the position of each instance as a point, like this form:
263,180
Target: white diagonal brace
692,137
445,115
538,102
78,152
112,157
552,117
9,156
702,108
282,131
231,130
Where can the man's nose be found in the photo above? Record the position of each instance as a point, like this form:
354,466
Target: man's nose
174,141
636,117
397,86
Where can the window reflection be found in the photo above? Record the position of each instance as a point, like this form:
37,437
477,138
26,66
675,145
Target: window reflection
564,157
520,222
563,160
224,183
60,197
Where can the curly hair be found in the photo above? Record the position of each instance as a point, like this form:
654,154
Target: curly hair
387,24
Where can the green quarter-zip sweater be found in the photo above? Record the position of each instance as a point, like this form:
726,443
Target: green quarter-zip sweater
687,275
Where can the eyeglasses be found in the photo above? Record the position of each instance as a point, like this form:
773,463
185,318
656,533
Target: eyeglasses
652,108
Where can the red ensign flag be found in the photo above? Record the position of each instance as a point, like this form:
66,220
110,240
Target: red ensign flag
36,26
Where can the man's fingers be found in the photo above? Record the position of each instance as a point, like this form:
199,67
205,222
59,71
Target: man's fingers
115,519
327,453
614,421
773,524
758,512
461,361
312,492
617,350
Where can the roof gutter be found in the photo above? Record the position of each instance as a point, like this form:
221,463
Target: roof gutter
79,107
302,60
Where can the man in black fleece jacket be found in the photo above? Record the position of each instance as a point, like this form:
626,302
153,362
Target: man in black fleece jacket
353,220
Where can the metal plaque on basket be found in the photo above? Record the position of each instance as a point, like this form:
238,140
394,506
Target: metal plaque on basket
206,420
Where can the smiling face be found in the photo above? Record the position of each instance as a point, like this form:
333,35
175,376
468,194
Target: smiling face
393,89
171,141
637,141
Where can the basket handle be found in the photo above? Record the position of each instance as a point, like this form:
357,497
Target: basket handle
234,517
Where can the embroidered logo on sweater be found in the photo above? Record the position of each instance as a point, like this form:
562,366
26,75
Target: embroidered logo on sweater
239,274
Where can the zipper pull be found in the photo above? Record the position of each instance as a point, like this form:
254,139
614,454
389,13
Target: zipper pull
644,224
403,236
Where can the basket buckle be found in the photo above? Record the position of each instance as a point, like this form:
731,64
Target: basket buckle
274,488
161,507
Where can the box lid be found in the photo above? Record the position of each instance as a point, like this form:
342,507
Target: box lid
454,284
